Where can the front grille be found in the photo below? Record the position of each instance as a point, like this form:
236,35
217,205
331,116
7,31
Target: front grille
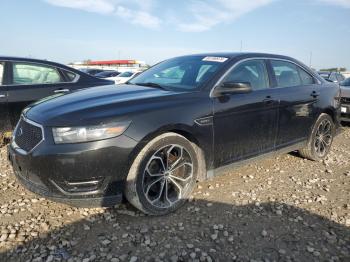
345,100
27,136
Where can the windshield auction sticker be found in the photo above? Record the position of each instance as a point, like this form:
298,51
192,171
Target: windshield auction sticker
215,59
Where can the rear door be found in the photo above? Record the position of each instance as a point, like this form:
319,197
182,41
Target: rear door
298,93
31,82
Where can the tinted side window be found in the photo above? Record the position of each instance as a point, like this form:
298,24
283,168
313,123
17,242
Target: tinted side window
70,76
1,72
34,74
306,78
286,73
253,72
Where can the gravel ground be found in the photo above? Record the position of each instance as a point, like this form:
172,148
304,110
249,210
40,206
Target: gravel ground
277,209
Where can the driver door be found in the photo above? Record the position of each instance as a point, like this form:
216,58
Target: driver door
245,125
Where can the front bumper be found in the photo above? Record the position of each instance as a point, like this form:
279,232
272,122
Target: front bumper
85,175
345,113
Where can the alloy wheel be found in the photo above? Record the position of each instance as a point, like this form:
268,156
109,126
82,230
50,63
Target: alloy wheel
323,138
167,176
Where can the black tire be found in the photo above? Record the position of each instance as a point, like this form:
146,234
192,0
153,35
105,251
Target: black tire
151,192
311,150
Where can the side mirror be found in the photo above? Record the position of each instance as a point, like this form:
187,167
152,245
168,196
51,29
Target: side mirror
232,88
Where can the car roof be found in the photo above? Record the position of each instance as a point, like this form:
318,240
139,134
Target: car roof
243,54
33,60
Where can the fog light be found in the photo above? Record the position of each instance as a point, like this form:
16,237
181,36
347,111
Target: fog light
79,187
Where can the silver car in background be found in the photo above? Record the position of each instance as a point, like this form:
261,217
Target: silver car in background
345,100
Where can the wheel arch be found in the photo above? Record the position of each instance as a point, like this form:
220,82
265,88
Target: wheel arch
181,130
331,112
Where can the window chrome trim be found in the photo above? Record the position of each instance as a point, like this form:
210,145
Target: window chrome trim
258,58
77,76
16,147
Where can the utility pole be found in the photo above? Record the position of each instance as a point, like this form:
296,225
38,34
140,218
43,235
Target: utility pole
310,59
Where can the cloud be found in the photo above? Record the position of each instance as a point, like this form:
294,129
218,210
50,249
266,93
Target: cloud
96,6
341,3
189,16
141,18
208,14
133,11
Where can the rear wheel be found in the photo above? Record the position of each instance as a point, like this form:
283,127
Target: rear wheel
163,174
320,140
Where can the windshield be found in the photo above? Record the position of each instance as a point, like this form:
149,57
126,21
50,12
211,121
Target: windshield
184,73
125,74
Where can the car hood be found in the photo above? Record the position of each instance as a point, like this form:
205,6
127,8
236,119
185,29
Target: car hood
95,105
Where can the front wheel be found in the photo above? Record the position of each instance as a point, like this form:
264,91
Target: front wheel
320,140
162,175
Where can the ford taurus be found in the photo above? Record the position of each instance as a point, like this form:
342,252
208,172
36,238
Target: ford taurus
184,120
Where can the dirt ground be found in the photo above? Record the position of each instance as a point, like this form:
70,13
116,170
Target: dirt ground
277,209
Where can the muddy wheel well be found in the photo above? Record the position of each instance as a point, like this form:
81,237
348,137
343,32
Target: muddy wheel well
187,135
202,164
330,112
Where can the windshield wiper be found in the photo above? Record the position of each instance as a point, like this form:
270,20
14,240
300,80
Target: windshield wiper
150,84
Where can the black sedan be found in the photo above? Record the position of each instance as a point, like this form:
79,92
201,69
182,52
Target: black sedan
24,80
107,73
185,119
91,71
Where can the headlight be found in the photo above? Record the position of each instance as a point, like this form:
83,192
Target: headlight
65,135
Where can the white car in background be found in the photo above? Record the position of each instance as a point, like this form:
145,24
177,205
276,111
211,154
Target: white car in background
123,77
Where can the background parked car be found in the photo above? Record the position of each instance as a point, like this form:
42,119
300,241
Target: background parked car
23,81
91,71
345,100
335,77
107,73
124,77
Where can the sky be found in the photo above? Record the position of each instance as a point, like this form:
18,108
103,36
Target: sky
153,30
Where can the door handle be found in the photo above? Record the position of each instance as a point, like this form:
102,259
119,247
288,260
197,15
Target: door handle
268,100
61,91
2,96
315,94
